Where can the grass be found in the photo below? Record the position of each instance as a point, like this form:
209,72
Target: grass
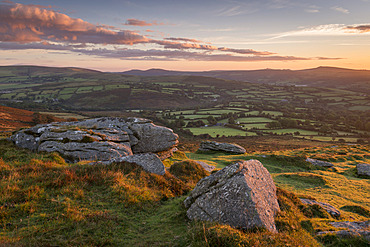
301,180
255,125
292,131
196,116
254,120
217,130
45,201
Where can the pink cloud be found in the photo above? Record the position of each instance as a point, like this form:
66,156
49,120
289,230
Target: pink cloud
28,23
37,27
184,39
141,23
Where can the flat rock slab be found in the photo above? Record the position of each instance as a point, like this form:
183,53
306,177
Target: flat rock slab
353,228
207,146
319,163
329,208
363,169
352,225
242,195
99,138
208,168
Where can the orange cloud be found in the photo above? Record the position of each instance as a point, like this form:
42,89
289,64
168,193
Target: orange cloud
184,39
29,23
360,28
141,23
37,27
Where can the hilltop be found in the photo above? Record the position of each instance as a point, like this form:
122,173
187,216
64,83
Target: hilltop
320,77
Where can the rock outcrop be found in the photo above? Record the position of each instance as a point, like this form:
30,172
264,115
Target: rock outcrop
328,208
101,139
208,168
242,195
354,228
363,169
319,163
207,146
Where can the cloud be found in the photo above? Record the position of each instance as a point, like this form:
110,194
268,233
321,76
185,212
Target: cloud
174,55
34,27
140,23
152,54
312,11
184,39
340,9
360,28
330,29
29,23
230,11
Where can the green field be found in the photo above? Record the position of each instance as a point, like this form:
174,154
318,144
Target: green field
219,130
254,120
291,131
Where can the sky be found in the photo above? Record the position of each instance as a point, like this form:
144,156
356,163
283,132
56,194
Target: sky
119,35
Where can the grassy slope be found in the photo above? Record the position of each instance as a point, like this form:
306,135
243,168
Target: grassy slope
13,119
45,201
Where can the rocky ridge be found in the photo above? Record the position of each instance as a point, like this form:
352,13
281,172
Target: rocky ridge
102,139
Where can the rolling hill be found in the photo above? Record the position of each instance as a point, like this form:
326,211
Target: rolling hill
332,77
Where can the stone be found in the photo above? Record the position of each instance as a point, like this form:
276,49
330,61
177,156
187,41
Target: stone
354,228
149,162
207,146
352,225
319,163
328,208
363,169
23,140
152,138
75,151
99,138
208,168
242,195
166,154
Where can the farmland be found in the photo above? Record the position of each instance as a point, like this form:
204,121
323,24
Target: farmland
195,104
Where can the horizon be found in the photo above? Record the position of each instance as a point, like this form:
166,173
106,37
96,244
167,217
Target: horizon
119,36
133,69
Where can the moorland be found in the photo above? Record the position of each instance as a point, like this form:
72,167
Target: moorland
46,201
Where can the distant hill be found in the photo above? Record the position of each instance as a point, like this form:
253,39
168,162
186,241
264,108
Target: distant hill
319,77
37,87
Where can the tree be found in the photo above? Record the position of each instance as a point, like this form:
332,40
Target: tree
211,120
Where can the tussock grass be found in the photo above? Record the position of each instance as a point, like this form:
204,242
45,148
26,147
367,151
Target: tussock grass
47,202
188,171
357,209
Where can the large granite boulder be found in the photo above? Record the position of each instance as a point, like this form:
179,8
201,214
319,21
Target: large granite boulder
328,208
319,163
98,139
207,146
242,195
363,169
